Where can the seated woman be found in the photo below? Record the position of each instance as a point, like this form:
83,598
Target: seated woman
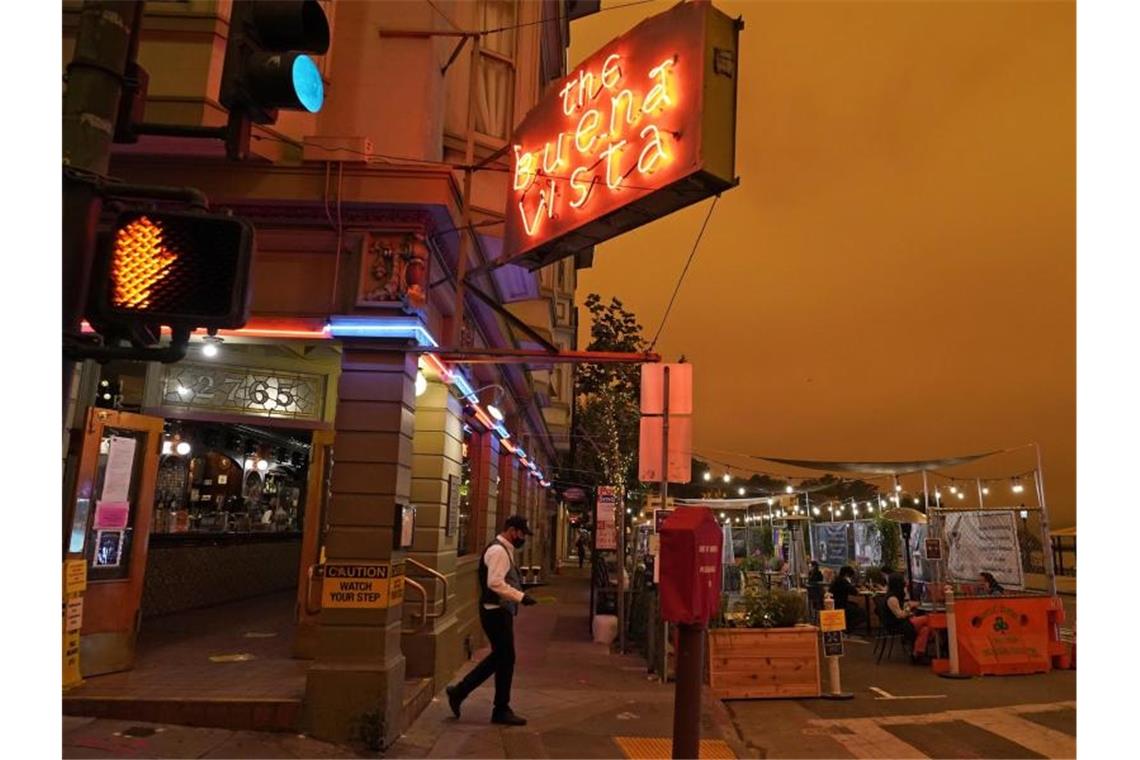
993,588
842,589
916,627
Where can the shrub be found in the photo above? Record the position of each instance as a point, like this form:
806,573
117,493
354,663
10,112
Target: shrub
774,609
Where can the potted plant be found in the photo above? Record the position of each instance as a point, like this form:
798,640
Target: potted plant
771,654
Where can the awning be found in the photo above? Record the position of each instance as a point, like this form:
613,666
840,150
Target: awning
882,468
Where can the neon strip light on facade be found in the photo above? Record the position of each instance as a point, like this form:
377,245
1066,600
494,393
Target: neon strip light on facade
368,327
510,447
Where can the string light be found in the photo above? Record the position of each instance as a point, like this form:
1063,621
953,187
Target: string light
916,500
727,478
961,495
708,475
898,488
953,489
985,491
789,489
1017,487
740,490
815,511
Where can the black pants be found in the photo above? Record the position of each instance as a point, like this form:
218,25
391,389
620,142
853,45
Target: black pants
499,625
581,558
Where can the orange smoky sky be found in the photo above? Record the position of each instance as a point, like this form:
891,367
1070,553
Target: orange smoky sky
894,278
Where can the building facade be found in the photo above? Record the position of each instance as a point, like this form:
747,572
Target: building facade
327,433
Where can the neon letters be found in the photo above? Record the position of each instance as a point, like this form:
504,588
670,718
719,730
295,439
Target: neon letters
613,130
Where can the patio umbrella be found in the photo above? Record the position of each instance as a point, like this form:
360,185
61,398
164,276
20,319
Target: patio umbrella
906,516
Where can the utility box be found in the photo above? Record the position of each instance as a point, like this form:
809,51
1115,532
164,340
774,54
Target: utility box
691,546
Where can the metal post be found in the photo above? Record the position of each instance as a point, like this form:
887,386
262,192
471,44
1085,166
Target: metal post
952,635
981,500
835,688
664,498
103,42
925,492
1046,541
687,693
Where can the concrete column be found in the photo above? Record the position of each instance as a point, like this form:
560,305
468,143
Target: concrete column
432,651
485,453
354,687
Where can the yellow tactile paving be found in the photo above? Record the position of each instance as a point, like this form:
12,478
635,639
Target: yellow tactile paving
659,748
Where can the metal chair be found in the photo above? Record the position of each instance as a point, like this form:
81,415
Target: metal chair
890,629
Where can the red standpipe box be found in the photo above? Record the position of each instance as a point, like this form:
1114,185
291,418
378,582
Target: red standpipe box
691,550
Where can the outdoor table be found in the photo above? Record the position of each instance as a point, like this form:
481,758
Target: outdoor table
868,597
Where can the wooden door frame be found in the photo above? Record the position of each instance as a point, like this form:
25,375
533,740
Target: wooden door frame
106,646
308,577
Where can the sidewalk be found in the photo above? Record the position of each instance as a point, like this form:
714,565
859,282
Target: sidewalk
581,701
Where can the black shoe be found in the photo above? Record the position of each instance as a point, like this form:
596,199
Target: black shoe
454,700
507,718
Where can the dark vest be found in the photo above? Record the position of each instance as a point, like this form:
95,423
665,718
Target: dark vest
486,595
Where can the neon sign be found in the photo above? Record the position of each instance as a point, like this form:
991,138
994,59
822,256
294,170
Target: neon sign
643,127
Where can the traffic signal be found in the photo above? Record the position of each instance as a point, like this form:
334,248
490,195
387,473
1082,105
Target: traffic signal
266,67
180,269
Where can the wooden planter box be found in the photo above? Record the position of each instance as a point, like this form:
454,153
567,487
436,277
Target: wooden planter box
751,663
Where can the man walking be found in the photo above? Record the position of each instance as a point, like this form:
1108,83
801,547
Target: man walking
500,594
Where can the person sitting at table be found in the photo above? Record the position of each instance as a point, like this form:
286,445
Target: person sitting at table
842,589
915,626
815,575
993,588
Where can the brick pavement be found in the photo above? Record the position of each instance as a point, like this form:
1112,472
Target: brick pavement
579,698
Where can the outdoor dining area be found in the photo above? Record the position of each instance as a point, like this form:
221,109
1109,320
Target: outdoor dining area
964,589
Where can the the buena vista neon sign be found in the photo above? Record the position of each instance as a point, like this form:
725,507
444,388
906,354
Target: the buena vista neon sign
616,128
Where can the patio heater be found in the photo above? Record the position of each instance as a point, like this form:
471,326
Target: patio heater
906,517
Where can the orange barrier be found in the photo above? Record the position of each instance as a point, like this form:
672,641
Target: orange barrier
1006,635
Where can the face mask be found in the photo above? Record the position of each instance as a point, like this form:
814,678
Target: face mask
518,542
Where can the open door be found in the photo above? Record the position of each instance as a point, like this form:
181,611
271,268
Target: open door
108,522
313,544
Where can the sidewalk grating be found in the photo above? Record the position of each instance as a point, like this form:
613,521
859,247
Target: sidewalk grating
659,748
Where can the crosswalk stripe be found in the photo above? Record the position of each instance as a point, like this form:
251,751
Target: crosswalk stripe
1033,736
868,740
867,737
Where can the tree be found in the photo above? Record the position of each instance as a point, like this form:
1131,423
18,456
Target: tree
606,399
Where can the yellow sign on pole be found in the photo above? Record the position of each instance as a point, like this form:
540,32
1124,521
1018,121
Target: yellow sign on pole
832,620
362,585
74,576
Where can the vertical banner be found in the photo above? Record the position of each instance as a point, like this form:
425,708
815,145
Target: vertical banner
605,519
868,548
984,541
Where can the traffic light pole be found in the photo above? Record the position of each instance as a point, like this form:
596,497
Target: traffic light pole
103,45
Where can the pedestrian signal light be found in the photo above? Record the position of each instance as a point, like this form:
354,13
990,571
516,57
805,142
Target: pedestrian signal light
265,66
179,269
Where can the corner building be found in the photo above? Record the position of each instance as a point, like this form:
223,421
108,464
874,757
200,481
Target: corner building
326,433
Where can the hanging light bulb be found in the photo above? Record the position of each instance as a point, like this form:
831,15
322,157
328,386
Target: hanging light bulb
722,515
789,489
708,475
953,489
727,478
815,511
898,488
740,490
985,490
771,502
961,495
1017,487
916,500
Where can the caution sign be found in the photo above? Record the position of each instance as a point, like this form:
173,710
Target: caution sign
832,620
74,576
362,586
73,614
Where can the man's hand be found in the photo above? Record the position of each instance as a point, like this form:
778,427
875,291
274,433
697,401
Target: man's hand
528,600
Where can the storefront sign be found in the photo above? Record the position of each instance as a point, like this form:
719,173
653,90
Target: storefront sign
238,390
643,127
832,620
605,521
362,586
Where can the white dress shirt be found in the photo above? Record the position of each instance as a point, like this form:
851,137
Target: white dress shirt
498,558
